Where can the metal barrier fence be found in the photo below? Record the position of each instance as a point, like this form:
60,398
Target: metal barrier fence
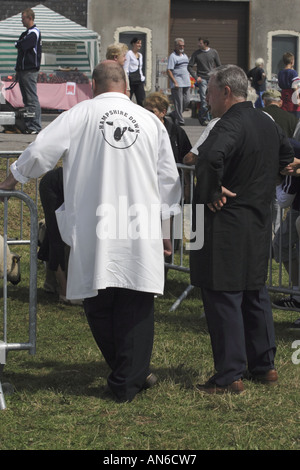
284,255
178,250
284,259
13,155
30,345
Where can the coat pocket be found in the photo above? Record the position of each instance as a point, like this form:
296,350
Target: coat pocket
65,225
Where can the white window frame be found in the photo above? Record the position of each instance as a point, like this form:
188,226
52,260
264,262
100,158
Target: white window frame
279,32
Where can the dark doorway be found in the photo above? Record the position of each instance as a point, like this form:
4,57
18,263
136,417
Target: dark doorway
225,24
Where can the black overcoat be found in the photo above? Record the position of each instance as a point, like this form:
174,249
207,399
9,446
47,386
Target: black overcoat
244,152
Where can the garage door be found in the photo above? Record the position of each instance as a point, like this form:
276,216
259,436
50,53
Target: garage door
225,24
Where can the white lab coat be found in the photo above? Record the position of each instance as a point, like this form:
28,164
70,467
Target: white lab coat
118,167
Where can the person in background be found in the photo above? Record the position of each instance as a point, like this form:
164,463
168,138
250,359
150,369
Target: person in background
288,81
29,46
134,68
53,251
159,104
206,59
273,106
180,80
286,240
257,77
290,125
117,52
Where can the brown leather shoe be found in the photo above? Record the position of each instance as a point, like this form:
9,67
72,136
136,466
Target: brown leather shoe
270,377
211,388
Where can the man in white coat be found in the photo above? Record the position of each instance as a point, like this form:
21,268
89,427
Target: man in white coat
120,182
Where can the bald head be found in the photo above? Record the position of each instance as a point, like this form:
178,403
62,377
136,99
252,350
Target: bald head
109,76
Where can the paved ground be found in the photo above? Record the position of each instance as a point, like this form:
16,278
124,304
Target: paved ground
18,142
192,127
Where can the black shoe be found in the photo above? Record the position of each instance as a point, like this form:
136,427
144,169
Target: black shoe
287,303
150,381
296,325
31,131
12,130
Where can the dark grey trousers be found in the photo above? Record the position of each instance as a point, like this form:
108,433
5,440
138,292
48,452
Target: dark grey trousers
242,332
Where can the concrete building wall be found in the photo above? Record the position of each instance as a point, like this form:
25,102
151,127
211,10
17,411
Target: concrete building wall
269,18
111,17
75,10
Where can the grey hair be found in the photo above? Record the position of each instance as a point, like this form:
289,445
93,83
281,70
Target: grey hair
177,40
269,99
259,61
232,76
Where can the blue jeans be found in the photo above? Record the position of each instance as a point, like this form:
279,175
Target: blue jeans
28,86
259,101
203,111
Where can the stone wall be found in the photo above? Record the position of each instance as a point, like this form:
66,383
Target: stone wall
282,19
75,10
111,18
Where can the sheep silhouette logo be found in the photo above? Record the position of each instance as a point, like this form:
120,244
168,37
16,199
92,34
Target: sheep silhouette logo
119,132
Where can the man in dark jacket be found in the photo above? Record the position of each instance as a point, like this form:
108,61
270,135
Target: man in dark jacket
257,78
236,171
273,102
29,48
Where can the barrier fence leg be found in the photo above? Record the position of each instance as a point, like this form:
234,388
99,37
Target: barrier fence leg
31,344
2,399
181,298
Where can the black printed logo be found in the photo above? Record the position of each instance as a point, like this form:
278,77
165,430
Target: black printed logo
119,129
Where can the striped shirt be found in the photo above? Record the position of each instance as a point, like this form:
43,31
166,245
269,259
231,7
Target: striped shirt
178,65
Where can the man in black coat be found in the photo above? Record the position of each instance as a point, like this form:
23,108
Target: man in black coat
236,171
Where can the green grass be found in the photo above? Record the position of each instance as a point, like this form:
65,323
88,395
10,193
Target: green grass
59,400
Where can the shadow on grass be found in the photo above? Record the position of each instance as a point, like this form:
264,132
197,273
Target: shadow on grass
283,331
21,294
86,379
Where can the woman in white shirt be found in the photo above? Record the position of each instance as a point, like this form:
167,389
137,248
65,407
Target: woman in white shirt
133,66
